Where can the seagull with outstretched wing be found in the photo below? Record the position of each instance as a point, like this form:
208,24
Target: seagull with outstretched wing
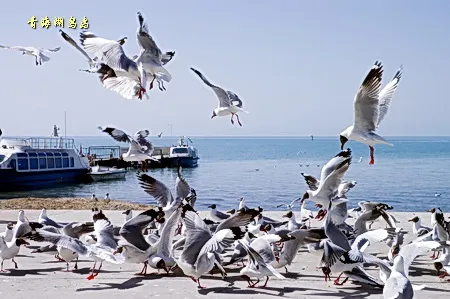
370,108
229,102
38,53
140,149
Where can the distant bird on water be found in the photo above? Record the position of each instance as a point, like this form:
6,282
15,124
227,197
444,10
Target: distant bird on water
370,108
437,194
312,137
160,134
229,102
36,52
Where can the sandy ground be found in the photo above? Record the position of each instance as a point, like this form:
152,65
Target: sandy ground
42,276
34,203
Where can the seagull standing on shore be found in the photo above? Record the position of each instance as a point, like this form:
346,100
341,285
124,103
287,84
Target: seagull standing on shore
229,102
140,148
370,107
36,52
44,220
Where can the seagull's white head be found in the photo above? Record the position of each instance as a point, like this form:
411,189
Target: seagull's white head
43,212
21,217
344,136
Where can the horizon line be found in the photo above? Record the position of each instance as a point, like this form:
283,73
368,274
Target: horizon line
221,136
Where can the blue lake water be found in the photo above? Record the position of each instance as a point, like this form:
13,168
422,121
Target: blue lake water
266,171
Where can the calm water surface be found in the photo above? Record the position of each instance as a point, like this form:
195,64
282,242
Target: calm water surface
266,171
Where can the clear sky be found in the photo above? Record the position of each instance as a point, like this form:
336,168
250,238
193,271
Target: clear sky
295,64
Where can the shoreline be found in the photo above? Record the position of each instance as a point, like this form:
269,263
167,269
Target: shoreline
41,274
69,203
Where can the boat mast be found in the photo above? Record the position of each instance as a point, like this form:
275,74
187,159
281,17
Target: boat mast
65,124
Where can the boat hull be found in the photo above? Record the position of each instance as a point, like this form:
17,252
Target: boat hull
118,175
11,180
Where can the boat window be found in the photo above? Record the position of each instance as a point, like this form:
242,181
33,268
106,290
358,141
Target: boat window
65,162
65,154
22,155
58,162
22,164
57,154
49,154
41,154
32,154
34,163
12,163
1,158
72,162
50,162
42,163
180,150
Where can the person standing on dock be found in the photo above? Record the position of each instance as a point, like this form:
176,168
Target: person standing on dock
55,131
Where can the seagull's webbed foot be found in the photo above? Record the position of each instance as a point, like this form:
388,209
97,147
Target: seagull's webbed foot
141,92
265,284
336,282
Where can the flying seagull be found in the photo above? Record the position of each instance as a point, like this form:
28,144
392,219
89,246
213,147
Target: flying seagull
151,56
36,52
370,107
140,148
229,102
95,66
130,77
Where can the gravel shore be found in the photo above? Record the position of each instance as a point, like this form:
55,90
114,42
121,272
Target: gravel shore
51,203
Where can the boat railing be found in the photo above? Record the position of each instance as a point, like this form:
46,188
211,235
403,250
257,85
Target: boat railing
51,142
47,142
104,152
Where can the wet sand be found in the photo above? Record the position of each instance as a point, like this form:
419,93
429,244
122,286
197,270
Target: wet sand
42,276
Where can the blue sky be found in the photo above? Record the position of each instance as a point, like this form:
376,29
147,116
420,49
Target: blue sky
296,65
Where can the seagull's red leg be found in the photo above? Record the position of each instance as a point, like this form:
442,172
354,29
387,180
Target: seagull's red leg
199,286
98,270
239,122
336,281
253,285
372,160
433,256
151,83
265,284
91,276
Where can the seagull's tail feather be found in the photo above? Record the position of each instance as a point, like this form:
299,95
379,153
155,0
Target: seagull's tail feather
418,287
162,73
124,86
44,57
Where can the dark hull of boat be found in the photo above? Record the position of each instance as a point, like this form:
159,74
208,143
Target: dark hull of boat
186,162
11,180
